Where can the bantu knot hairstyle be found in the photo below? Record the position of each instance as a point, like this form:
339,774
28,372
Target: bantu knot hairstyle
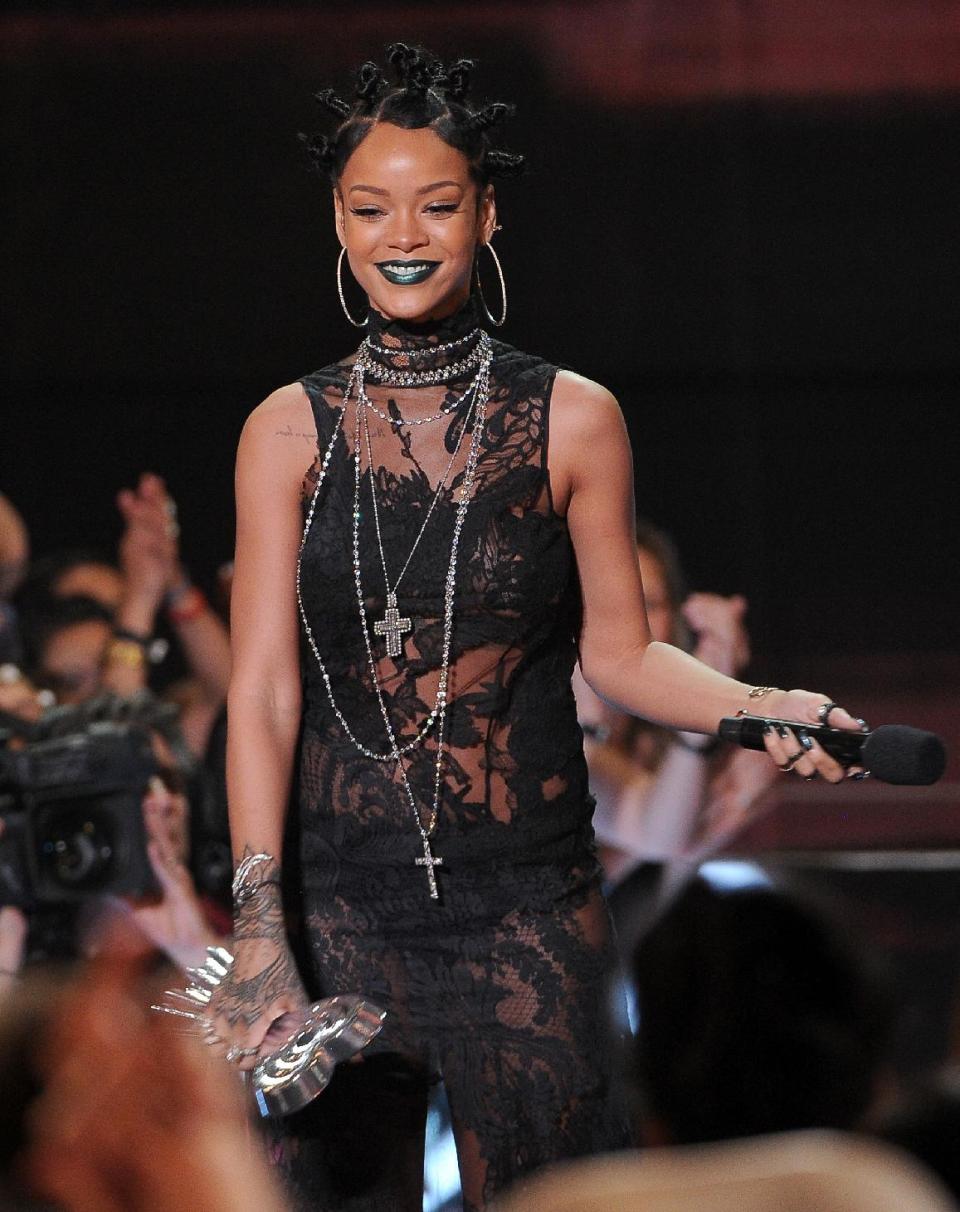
422,93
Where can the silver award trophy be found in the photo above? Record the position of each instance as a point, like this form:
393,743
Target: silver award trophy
286,1079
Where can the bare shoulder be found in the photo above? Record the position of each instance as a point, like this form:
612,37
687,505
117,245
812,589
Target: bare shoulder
586,429
282,428
285,413
582,405
279,440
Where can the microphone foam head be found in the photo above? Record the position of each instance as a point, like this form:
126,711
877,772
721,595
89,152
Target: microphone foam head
896,753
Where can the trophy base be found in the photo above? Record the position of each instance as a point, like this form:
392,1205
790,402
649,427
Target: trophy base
333,1030
294,1073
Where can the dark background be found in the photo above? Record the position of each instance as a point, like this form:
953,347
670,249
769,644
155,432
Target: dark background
741,217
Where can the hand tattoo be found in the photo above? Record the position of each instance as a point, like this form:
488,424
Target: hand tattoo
263,969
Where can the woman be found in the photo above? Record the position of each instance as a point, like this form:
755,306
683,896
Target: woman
461,493
665,795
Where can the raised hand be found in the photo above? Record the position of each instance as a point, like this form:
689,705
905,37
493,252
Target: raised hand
175,923
149,549
721,637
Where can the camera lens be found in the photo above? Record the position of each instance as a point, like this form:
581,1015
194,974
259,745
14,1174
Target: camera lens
77,848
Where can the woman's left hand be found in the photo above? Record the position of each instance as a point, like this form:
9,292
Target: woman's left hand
796,750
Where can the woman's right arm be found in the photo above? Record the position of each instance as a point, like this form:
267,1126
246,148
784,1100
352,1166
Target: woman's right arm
264,707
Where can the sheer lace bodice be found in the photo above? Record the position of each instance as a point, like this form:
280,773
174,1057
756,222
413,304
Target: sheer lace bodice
514,757
498,987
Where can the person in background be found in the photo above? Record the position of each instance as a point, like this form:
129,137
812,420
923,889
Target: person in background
13,941
14,553
163,1127
89,626
663,795
758,1013
14,547
175,920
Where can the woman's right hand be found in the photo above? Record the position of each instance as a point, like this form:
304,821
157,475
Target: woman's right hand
258,1005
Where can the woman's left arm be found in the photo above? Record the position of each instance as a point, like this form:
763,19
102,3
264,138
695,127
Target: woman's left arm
592,467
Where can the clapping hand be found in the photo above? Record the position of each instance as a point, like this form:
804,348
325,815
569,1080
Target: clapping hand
721,637
149,548
175,923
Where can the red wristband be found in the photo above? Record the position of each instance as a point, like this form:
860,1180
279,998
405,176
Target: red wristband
189,606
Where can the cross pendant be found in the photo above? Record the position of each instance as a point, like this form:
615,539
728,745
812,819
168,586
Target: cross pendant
391,625
430,862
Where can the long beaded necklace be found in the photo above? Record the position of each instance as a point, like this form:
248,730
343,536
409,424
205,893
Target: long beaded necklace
390,626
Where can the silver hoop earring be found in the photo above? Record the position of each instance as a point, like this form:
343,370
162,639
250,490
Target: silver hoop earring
343,302
503,288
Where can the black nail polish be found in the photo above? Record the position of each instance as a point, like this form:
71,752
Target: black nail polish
781,731
768,730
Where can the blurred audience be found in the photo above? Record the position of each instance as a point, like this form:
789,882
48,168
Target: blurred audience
759,1062
88,626
175,919
13,941
927,1125
14,552
791,1172
159,1127
756,1015
663,795
110,1108
14,547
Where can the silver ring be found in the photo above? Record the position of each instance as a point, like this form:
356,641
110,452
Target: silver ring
235,1054
823,712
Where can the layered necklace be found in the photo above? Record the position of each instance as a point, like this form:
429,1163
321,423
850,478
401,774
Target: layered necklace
411,368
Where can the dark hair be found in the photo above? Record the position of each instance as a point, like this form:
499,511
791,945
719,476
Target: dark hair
44,574
756,1015
424,93
49,615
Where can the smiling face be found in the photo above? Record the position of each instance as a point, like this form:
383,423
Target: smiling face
411,217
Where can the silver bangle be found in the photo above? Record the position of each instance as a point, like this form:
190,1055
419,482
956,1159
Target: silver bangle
242,873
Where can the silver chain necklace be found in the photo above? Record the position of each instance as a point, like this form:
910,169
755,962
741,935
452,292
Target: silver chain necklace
479,391
425,351
392,625
444,411
420,378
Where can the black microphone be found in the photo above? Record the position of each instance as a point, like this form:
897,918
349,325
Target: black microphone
893,753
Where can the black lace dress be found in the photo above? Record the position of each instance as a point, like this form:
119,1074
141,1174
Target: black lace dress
499,988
